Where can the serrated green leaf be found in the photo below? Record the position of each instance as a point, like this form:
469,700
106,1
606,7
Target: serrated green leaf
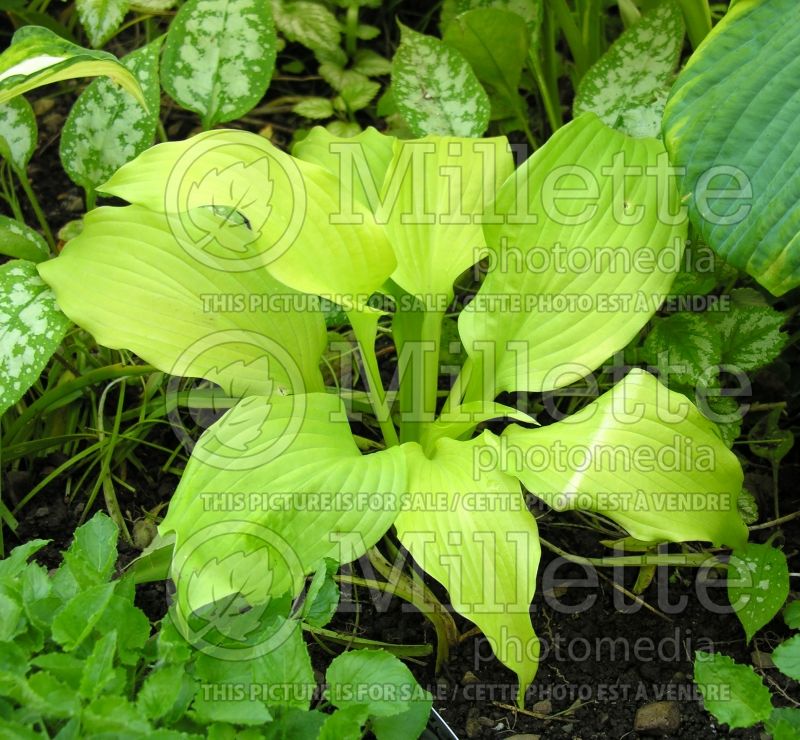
371,64
219,57
115,716
293,723
732,692
751,335
685,347
161,690
323,595
732,121
495,44
456,537
549,325
131,624
16,561
106,127
95,543
53,699
748,508
352,676
75,622
645,457
314,108
358,94
758,584
101,19
31,328
627,87
783,723
435,89
787,657
98,670
307,23
12,616
344,724
37,57
18,132
124,252
20,241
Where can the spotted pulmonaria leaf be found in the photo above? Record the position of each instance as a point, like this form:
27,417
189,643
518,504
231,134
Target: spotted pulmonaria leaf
219,57
758,584
436,90
18,132
106,127
628,86
101,19
18,240
31,328
37,56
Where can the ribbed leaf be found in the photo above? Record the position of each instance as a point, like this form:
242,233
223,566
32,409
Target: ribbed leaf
150,294
643,456
733,121
485,556
580,263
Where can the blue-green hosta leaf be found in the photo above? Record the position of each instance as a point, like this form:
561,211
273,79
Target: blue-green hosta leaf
19,240
732,120
300,230
101,19
435,89
37,57
270,490
485,556
448,177
219,57
580,264
18,132
496,45
106,127
310,24
358,162
404,703
175,305
627,87
643,456
31,328
732,692
758,584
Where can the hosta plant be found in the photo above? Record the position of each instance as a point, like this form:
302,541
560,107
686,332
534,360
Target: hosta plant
215,270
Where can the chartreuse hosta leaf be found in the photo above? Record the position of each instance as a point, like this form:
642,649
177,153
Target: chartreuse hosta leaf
435,89
31,328
485,556
291,207
151,294
18,132
628,85
219,57
101,18
106,127
732,121
430,187
643,456
37,57
19,240
271,489
581,262
359,162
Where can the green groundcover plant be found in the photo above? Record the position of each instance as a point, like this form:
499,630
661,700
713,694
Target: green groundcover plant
216,269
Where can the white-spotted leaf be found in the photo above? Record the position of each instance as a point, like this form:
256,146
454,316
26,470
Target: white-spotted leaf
18,132
101,19
31,328
21,241
219,57
106,127
628,85
435,89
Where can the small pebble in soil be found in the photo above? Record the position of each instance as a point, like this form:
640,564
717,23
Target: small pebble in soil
473,725
527,736
469,677
658,718
545,706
